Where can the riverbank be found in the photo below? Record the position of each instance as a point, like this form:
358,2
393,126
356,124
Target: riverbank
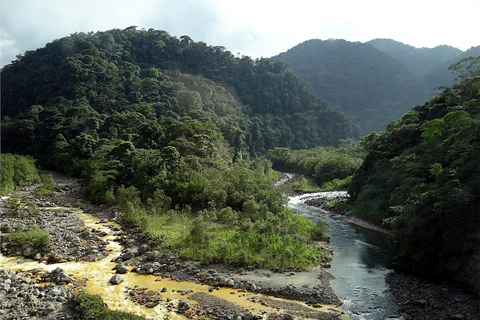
309,293
416,298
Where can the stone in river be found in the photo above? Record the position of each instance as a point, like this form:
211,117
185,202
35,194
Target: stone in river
116,279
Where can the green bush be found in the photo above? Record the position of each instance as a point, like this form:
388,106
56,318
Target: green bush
48,185
20,207
92,307
35,238
17,171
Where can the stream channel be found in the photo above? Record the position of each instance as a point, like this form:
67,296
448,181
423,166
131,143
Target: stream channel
362,259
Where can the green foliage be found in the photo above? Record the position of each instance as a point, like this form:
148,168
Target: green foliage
368,84
160,128
17,171
48,185
305,185
421,179
92,92
323,164
337,184
34,238
20,207
92,307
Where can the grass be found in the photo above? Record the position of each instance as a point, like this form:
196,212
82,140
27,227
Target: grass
282,241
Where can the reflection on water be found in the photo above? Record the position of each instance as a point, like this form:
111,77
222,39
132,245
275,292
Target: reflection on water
362,259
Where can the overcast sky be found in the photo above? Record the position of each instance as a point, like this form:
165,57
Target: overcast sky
257,28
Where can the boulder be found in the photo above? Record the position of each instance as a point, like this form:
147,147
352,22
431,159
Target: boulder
122,269
128,255
116,279
184,304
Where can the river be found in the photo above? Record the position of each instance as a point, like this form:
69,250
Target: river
361,261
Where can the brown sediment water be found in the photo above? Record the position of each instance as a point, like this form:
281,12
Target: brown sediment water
98,274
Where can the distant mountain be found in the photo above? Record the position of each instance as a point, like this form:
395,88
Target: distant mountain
431,63
371,86
377,81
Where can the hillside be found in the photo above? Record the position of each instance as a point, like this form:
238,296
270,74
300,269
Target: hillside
162,129
430,63
371,86
113,71
377,81
421,179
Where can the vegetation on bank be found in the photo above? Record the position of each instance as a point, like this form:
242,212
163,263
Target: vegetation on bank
421,179
163,129
17,171
329,168
92,307
234,216
18,237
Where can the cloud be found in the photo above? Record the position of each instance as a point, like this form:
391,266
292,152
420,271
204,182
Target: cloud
251,27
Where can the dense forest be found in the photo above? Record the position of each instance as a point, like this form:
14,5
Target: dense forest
163,128
261,104
374,82
421,179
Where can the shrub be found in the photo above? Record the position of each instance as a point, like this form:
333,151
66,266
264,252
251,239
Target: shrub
92,307
20,207
48,185
17,171
35,238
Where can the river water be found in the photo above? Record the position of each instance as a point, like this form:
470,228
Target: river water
361,261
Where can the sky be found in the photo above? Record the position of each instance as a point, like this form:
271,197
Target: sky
255,28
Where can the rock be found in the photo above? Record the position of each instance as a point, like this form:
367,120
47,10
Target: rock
186,291
248,316
49,309
28,252
116,279
459,316
287,317
151,255
122,269
128,255
5,287
171,268
148,266
184,304
143,248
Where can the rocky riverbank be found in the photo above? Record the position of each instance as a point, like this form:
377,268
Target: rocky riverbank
421,299
73,242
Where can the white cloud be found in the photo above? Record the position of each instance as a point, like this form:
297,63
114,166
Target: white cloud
251,27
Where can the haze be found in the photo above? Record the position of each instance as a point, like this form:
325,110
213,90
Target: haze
253,28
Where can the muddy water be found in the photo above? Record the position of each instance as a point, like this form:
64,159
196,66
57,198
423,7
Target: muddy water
98,274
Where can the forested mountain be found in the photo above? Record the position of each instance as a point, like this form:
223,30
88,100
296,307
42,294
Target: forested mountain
421,179
430,63
372,87
374,82
112,72
160,127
